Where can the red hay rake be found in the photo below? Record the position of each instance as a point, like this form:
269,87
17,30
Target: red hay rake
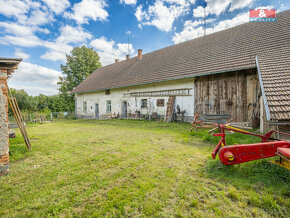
268,147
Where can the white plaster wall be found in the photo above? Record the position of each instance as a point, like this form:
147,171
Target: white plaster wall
118,96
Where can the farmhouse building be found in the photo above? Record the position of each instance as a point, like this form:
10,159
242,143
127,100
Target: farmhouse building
7,67
243,71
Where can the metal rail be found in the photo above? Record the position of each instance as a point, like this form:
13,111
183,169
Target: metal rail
268,115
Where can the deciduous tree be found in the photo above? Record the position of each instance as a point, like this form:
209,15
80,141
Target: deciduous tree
80,63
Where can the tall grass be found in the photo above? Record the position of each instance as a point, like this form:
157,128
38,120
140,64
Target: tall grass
119,168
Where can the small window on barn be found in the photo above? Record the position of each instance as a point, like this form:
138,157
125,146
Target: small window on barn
109,106
144,103
85,108
107,91
160,102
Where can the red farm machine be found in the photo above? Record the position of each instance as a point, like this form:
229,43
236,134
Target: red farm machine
241,153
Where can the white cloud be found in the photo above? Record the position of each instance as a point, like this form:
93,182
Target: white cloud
26,12
225,24
33,90
217,7
24,36
162,15
17,29
283,7
88,9
140,14
13,7
57,6
102,44
180,2
108,50
122,49
236,4
265,7
128,2
191,30
63,44
56,51
24,41
194,29
29,16
71,34
20,54
199,12
20,35
35,79
37,17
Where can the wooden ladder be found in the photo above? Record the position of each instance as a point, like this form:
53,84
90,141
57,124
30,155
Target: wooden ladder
170,109
19,119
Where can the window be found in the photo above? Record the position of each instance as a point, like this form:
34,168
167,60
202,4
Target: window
85,108
109,106
160,102
107,91
144,103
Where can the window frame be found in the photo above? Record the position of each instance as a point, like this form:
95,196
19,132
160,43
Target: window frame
158,102
109,106
85,107
107,91
142,103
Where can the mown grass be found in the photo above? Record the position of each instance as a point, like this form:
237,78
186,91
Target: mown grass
135,168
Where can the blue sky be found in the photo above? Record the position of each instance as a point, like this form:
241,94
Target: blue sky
42,32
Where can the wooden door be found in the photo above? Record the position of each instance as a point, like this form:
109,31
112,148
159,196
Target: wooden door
222,94
97,115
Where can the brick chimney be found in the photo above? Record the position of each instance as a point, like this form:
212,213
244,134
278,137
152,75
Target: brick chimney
127,57
139,54
116,60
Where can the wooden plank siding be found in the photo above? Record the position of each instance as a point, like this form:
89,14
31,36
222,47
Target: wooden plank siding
235,93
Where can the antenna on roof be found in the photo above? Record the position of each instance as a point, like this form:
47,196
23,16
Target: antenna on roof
204,20
128,55
204,4
128,45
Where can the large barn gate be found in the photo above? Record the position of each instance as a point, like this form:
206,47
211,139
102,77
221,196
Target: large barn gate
234,93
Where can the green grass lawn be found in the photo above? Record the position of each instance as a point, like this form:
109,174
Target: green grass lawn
135,168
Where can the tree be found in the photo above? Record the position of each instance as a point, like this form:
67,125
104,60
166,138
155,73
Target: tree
80,63
25,102
42,102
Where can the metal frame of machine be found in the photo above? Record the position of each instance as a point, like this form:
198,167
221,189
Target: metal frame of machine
241,153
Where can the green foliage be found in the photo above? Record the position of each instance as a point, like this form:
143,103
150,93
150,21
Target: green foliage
39,106
80,63
25,102
231,139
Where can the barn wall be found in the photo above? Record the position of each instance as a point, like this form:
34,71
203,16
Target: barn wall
266,126
4,140
118,96
235,93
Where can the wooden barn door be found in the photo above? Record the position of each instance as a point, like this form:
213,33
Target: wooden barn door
221,94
